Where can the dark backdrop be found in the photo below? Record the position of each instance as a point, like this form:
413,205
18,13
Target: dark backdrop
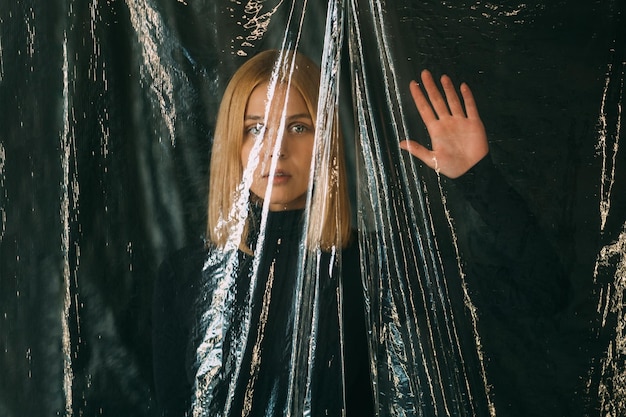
106,114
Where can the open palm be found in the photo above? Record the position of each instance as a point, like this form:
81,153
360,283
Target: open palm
457,135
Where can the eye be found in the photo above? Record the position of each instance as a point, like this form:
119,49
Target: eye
299,128
256,129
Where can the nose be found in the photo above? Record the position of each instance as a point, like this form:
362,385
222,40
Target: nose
279,153
278,146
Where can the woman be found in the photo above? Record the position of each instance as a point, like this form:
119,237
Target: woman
227,339
262,155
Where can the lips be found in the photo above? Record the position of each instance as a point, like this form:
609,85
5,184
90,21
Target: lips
278,174
279,178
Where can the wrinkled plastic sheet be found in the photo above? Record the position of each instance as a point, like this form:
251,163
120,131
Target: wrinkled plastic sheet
108,115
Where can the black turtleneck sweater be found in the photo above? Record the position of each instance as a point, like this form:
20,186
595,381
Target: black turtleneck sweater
176,318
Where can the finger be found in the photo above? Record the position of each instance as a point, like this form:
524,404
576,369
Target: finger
456,108
470,104
422,104
434,95
419,151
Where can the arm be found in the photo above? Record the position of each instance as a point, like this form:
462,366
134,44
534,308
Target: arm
169,341
460,152
513,245
513,273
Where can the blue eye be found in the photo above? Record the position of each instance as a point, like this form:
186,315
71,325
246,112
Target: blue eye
256,129
299,128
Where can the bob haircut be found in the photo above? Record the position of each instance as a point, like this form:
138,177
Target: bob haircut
329,221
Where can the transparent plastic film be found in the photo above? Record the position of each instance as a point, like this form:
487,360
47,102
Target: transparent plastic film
271,335
424,351
312,208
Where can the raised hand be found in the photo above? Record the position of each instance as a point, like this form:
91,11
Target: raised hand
457,136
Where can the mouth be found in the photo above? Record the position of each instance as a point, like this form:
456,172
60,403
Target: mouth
277,174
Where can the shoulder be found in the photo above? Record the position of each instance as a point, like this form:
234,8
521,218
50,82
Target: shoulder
179,276
183,264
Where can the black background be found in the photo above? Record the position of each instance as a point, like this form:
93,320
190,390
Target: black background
86,123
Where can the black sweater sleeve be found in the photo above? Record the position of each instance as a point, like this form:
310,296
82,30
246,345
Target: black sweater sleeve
520,289
527,275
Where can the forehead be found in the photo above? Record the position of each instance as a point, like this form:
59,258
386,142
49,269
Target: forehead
263,95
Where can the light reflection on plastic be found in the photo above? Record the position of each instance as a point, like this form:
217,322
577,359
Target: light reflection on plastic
3,192
153,38
611,260
256,21
66,146
608,152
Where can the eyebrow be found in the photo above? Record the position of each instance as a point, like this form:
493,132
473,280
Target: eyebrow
292,117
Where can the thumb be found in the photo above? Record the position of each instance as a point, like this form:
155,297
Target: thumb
419,151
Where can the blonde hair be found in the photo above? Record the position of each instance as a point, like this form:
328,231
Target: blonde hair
329,221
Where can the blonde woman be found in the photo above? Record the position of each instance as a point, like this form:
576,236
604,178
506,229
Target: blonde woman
262,155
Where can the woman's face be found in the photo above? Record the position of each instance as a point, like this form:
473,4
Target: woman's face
285,143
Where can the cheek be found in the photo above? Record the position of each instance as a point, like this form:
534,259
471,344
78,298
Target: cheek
307,154
245,154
